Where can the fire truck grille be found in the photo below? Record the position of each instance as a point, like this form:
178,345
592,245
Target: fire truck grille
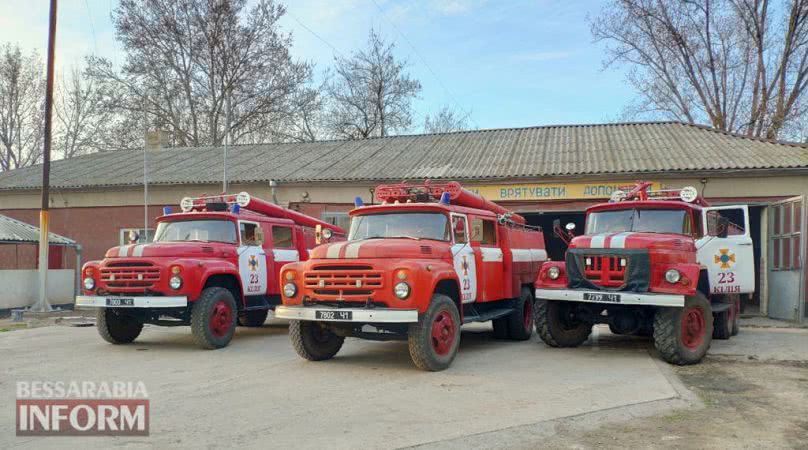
136,275
608,271
343,282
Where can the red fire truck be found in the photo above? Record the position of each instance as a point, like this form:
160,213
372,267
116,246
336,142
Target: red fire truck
661,263
215,263
417,266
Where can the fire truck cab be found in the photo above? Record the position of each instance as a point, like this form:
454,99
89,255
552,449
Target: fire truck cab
215,263
661,263
428,259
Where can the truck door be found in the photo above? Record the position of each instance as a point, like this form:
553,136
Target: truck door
252,260
463,256
484,239
786,256
283,250
725,249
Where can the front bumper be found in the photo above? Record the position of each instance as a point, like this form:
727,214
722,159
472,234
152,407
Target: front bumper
121,301
611,297
364,315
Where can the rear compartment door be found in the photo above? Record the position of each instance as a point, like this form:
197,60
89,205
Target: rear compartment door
729,259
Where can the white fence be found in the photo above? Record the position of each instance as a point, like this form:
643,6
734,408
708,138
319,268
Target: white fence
20,288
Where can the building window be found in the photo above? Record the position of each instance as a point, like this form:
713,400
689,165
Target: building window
282,237
786,236
339,219
144,235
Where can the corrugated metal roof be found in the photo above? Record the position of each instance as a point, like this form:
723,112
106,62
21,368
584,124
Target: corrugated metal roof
12,230
547,151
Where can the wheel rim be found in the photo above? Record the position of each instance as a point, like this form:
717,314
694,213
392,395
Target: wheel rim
443,333
693,328
528,315
221,318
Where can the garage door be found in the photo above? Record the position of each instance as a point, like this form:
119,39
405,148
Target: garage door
787,259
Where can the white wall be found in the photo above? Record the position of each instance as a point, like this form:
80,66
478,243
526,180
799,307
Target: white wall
19,288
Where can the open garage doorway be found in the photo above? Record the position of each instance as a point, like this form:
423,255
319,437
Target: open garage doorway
555,247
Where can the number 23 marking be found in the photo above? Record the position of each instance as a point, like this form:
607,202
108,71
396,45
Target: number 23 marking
726,277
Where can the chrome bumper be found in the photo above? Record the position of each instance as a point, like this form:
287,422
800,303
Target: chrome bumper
625,298
357,314
122,301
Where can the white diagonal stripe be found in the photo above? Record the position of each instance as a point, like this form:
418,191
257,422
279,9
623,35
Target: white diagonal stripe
123,250
138,251
619,240
333,251
598,241
352,250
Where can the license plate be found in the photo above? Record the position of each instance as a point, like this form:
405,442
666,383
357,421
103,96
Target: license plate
601,297
333,315
120,301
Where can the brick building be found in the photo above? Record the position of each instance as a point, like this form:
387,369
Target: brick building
542,172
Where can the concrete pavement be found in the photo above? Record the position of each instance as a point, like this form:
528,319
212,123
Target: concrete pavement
258,392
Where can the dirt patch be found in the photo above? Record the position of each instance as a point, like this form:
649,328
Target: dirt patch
748,405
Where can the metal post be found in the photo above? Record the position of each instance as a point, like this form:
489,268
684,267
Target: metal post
145,236
42,305
226,142
79,276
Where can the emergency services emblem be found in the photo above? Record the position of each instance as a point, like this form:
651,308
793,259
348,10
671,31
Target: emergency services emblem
253,263
725,258
465,267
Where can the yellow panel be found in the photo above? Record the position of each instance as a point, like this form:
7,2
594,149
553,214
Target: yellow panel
552,191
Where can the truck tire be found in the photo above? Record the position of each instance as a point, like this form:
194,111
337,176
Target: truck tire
683,335
555,327
736,322
313,340
116,327
254,318
213,318
518,325
520,322
434,339
725,321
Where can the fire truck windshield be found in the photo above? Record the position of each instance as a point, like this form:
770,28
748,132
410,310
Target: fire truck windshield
646,220
412,225
197,230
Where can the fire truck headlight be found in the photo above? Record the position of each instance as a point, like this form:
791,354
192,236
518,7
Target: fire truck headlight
554,272
289,290
673,276
327,233
89,283
402,290
175,282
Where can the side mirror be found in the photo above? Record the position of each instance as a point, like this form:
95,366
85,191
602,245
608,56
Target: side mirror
570,227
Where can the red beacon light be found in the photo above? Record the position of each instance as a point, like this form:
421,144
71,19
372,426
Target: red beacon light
641,192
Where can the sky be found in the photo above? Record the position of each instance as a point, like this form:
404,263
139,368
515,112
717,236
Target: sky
513,63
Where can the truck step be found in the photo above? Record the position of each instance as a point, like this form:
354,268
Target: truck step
474,316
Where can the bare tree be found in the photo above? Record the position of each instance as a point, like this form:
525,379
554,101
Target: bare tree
84,116
737,65
191,62
22,107
371,93
446,120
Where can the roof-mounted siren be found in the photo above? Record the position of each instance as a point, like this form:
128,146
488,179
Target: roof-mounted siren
617,196
187,204
688,194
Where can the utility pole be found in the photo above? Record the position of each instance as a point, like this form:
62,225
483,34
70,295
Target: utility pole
226,141
145,237
42,304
